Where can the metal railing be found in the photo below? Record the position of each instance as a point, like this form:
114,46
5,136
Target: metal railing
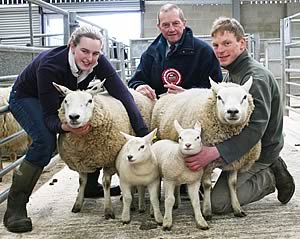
290,59
8,139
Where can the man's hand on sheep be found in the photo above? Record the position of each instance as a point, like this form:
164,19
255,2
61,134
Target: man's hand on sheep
173,89
78,131
147,91
204,157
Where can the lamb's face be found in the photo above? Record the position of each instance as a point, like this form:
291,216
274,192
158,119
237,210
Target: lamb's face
137,150
78,106
189,140
232,105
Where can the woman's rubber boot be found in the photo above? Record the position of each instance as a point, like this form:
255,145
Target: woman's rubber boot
24,179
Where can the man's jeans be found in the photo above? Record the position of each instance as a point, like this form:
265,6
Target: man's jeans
28,113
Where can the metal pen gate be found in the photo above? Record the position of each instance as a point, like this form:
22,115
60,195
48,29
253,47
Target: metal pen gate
290,60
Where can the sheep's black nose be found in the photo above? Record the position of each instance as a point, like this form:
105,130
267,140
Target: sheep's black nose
74,117
188,145
129,157
233,112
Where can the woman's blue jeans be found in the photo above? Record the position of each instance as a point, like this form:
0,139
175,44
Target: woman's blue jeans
28,112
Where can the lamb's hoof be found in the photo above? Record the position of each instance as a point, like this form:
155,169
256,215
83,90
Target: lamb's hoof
159,220
76,209
125,222
167,226
108,214
202,227
240,214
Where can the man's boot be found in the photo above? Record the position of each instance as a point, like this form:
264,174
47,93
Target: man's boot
24,179
93,189
284,181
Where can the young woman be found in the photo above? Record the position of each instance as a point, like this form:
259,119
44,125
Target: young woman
34,102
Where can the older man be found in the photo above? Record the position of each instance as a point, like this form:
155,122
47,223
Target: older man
176,60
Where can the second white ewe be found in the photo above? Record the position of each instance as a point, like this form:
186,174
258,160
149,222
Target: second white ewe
224,110
170,156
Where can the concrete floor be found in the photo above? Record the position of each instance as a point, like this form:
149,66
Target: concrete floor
50,210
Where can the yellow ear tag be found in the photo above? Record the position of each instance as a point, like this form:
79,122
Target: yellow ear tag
154,139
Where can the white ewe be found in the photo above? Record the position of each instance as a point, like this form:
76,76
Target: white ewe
100,147
9,126
170,156
137,166
224,110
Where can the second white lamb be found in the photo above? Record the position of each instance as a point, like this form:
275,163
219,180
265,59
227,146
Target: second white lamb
170,156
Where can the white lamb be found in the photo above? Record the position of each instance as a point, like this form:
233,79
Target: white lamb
100,147
9,126
136,165
224,110
170,156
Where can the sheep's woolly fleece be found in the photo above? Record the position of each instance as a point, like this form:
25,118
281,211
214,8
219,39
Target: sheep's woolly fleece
100,147
200,104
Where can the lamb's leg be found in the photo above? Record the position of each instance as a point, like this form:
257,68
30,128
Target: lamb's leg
80,195
127,199
106,181
232,181
141,192
153,191
193,190
177,197
159,197
206,183
169,188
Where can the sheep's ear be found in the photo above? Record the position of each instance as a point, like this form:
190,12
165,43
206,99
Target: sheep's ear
127,136
96,88
197,125
214,85
62,89
177,126
151,136
248,84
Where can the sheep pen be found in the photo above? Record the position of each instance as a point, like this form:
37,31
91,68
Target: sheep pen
223,111
100,147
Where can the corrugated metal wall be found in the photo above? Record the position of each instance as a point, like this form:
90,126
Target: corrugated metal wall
14,20
14,17
109,6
